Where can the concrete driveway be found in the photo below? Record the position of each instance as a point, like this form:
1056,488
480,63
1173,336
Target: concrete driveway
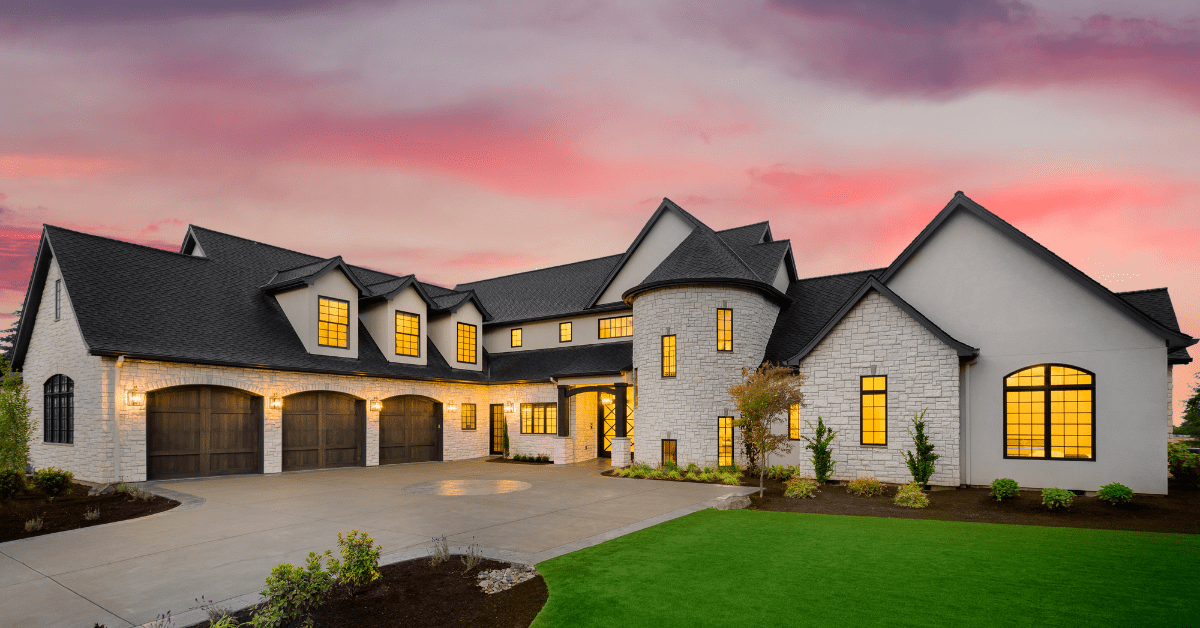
224,541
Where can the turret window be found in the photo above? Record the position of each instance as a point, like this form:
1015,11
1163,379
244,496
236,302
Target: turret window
668,356
724,329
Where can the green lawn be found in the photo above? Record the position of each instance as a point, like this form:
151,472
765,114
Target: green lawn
747,568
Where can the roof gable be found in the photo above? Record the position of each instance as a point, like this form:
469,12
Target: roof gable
308,274
667,205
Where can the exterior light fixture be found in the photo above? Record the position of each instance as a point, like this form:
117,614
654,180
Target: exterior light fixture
510,406
608,401
135,397
376,405
276,403
451,406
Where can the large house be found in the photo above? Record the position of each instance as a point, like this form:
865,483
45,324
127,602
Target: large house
234,356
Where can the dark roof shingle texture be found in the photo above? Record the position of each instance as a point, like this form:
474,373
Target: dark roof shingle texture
814,302
545,292
1156,303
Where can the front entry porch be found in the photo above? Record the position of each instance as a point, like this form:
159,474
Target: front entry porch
596,421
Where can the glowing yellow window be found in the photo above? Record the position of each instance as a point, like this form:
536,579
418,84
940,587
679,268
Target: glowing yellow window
408,334
468,416
564,332
724,441
466,343
668,356
724,329
516,337
1049,413
333,322
874,410
794,422
618,327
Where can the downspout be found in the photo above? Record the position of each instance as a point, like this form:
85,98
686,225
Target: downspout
116,418
966,414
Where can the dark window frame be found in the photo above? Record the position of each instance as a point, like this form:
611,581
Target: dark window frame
600,327
674,355
463,417
796,419
570,331
533,427
673,449
720,429
458,343
862,392
516,337
1046,402
719,339
417,335
58,410
58,299
347,323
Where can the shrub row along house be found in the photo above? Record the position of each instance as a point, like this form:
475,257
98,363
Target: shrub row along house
234,356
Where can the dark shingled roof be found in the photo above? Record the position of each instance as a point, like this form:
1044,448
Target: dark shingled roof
1156,303
600,359
814,302
542,293
702,255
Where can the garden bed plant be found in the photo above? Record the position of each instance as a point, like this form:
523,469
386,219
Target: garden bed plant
524,459
51,501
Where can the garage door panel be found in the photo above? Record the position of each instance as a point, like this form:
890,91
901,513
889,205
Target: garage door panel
198,431
408,430
322,430
301,431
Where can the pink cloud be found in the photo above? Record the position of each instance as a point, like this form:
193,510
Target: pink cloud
26,166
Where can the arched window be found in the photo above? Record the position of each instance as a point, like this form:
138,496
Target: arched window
59,410
1049,413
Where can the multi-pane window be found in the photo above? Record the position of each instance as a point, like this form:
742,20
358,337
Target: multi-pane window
539,418
57,299
724,329
725,441
794,421
514,337
58,410
408,334
668,356
1051,402
618,327
333,322
468,416
668,451
564,332
874,410
466,343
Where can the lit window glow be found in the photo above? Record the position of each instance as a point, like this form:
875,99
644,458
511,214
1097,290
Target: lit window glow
794,422
468,416
466,343
1049,400
724,441
539,418
668,356
618,327
408,334
874,410
515,337
724,330
564,332
333,322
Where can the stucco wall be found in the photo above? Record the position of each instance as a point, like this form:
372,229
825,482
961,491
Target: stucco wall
878,338
585,330
380,321
302,304
987,291
443,330
686,406
667,232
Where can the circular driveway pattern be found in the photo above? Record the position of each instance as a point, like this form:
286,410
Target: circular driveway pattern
468,487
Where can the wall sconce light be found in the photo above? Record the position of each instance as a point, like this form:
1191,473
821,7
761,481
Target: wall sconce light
376,404
276,403
451,406
510,406
608,401
135,397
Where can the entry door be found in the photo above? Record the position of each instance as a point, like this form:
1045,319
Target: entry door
323,430
497,429
410,430
196,431
606,422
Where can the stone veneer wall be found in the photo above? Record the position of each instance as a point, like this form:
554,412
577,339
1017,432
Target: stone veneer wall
686,406
922,373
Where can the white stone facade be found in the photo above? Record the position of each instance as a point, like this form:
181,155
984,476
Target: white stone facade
686,407
878,338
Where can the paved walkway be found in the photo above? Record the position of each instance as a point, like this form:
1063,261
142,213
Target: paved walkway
224,541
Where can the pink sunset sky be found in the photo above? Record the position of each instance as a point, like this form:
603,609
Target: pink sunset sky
460,141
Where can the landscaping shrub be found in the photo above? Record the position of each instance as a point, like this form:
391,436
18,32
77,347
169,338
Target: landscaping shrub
865,487
920,465
1004,488
640,470
670,474
505,450
731,476
710,474
472,558
360,559
91,514
440,552
798,486
33,525
822,457
293,592
11,483
1183,464
910,496
1054,498
781,472
543,458
693,468
1115,493
53,481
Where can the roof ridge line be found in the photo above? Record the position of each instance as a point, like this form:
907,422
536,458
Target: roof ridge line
1142,290
119,241
853,272
535,270
730,249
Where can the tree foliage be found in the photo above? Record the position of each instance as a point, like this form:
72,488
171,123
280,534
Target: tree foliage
920,465
1191,412
16,430
763,399
819,444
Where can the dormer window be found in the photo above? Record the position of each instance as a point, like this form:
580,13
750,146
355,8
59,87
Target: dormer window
333,322
408,334
466,343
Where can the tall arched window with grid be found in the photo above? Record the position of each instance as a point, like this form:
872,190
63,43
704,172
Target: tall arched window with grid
1049,413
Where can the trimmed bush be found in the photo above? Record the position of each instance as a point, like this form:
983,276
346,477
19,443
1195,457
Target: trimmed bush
911,496
360,559
1056,498
731,476
865,487
1183,464
1115,493
293,592
801,487
781,472
11,483
920,465
1005,488
822,456
53,481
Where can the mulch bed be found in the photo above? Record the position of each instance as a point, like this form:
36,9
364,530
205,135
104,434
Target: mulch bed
416,594
66,511
511,461
1178,512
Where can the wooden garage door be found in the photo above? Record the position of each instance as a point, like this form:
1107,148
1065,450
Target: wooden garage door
196,431
410,430
322,430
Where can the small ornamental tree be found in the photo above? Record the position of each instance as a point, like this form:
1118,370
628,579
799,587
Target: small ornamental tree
506,438
921,465
763,399
1191,413
822,457
15,428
